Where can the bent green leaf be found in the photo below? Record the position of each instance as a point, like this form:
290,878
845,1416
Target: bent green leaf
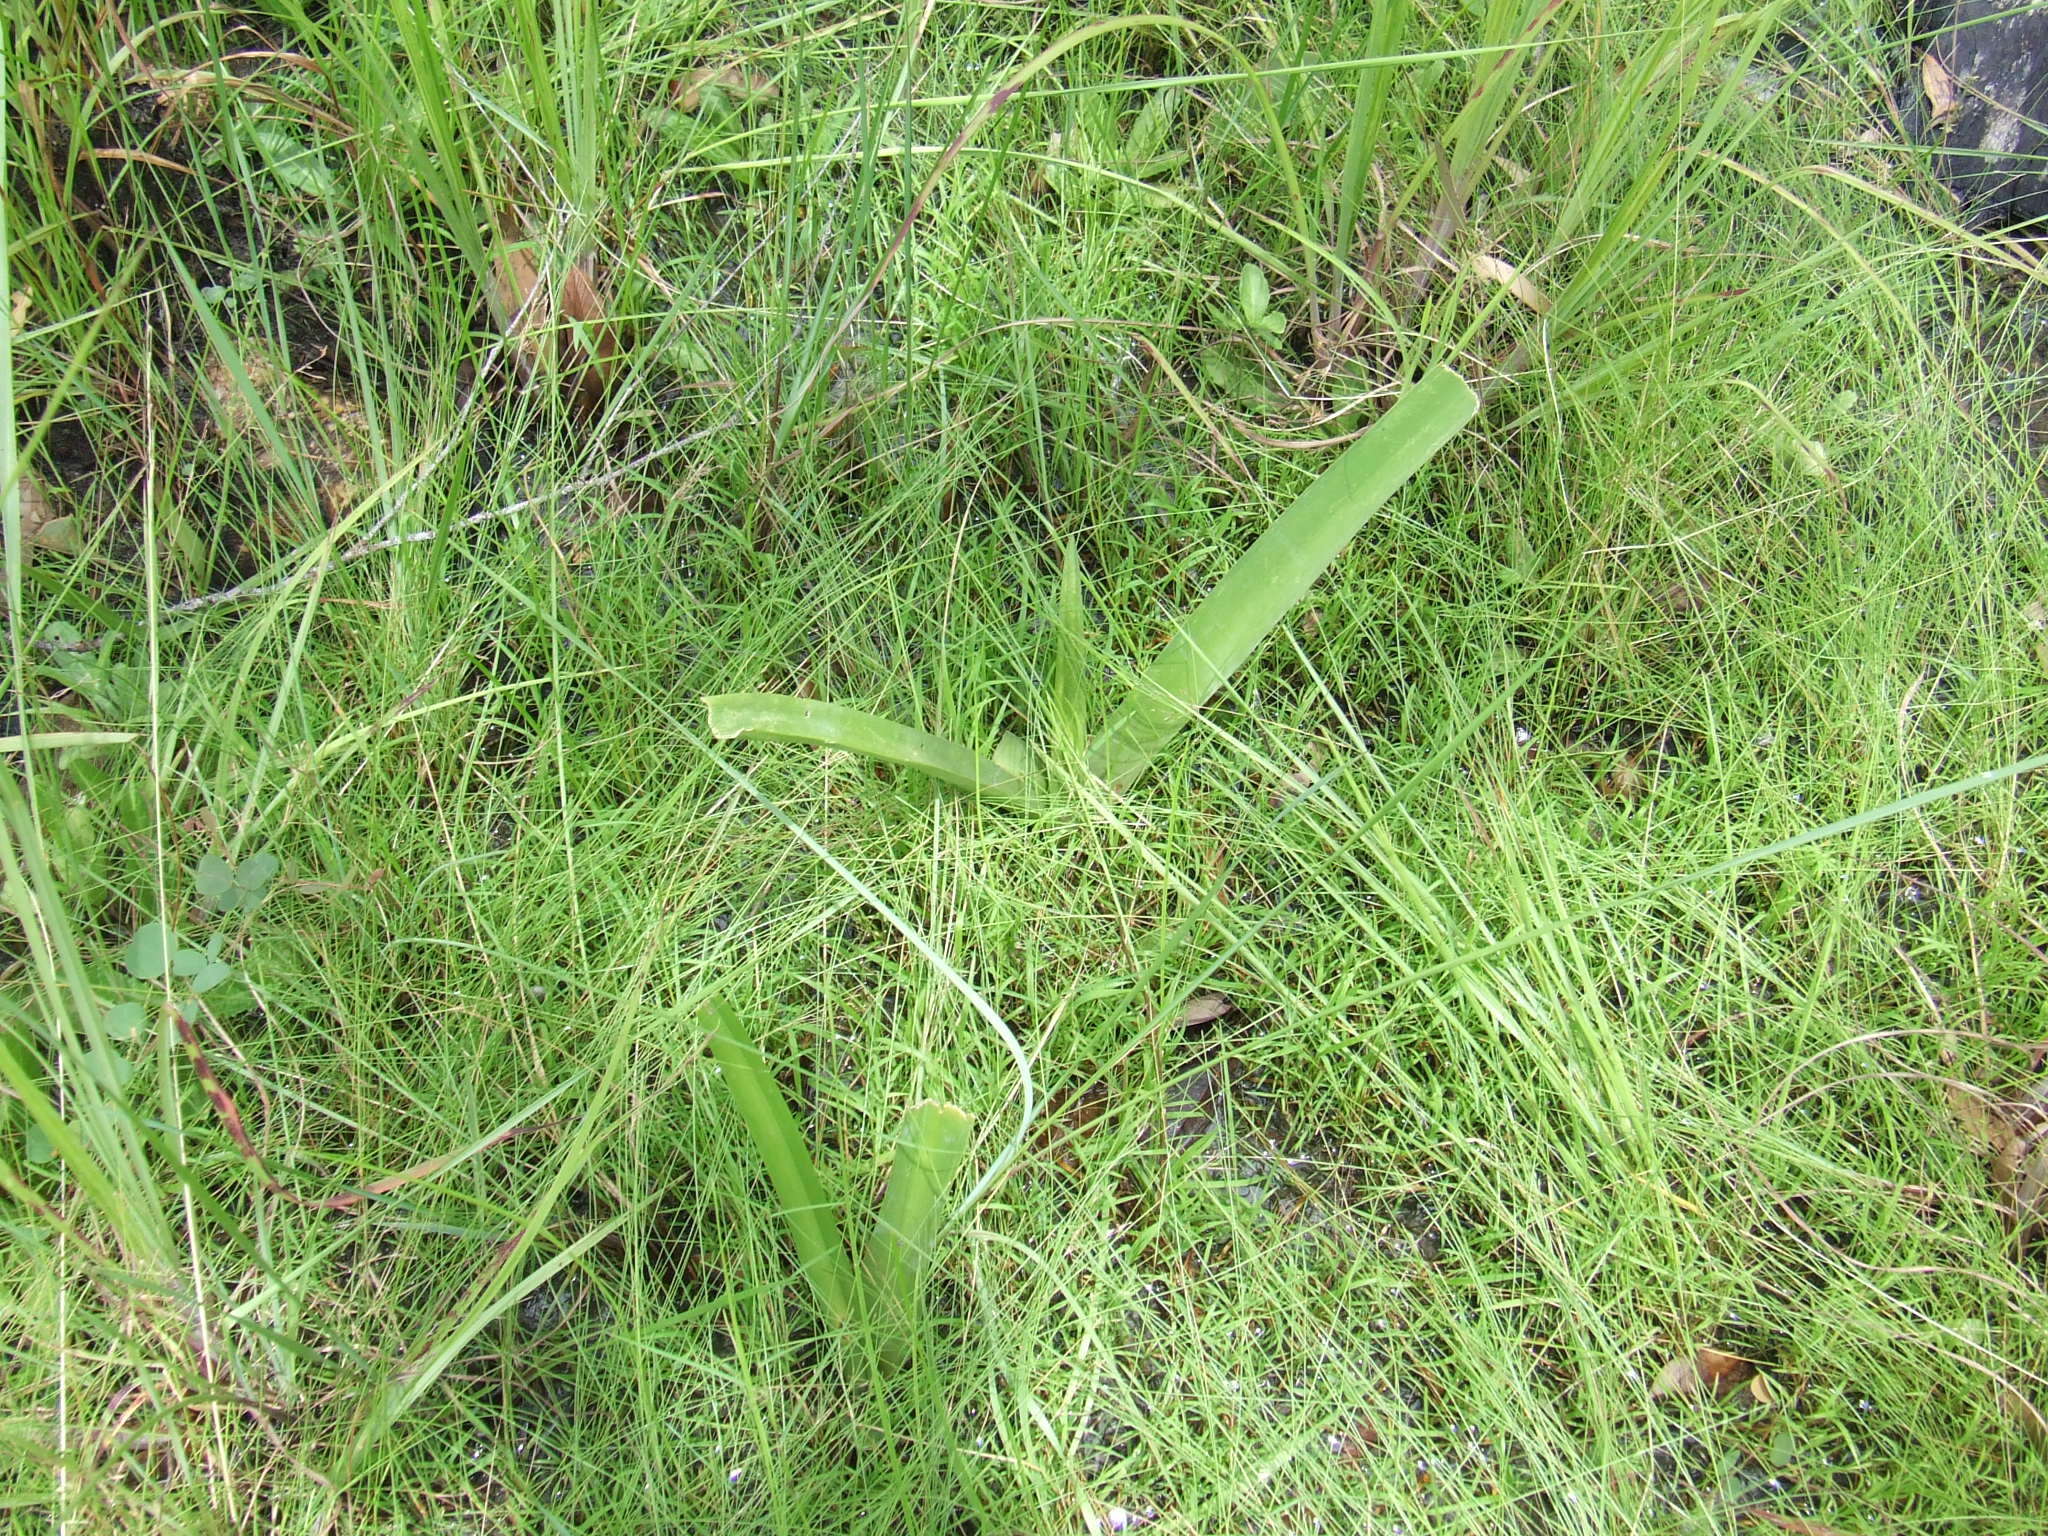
1212,643
1277,572
813,1226
777,717
930,1146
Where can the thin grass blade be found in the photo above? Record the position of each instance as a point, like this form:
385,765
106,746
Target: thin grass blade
777,717
1069,713
1277,572
813,1226
930,1146
1368,113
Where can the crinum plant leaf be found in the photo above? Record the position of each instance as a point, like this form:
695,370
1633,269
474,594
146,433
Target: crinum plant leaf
1211,643
930,1146
1277,572
809,1211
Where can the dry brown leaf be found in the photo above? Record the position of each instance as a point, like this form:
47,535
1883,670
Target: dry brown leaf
1624,781
1722,1372
43,525
2019,1157
2011,1134
1705,1370
1971,1117
740,85
1679,1378
35,505
1524,292
560,333
1297,782
1299,779
240,417
2036,615
2030,1419
1068,1118
326,431
1790,1523
1942,99
1688,596
1352,1446
191,97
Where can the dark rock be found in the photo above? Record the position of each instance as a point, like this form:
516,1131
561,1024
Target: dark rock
1982,105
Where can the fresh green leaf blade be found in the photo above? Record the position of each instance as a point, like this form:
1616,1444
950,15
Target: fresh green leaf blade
53,741
1278,571
125,1021
930,1146
1389,26
1254,295
813,1226
1069,722
299,166
148,956
214,877
777,717
1152,127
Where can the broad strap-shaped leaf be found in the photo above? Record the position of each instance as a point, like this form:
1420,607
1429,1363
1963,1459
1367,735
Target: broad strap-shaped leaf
1277,572
777,717
813,1224
930,1146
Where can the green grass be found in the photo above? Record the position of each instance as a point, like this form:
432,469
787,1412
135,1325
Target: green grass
1557,1049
